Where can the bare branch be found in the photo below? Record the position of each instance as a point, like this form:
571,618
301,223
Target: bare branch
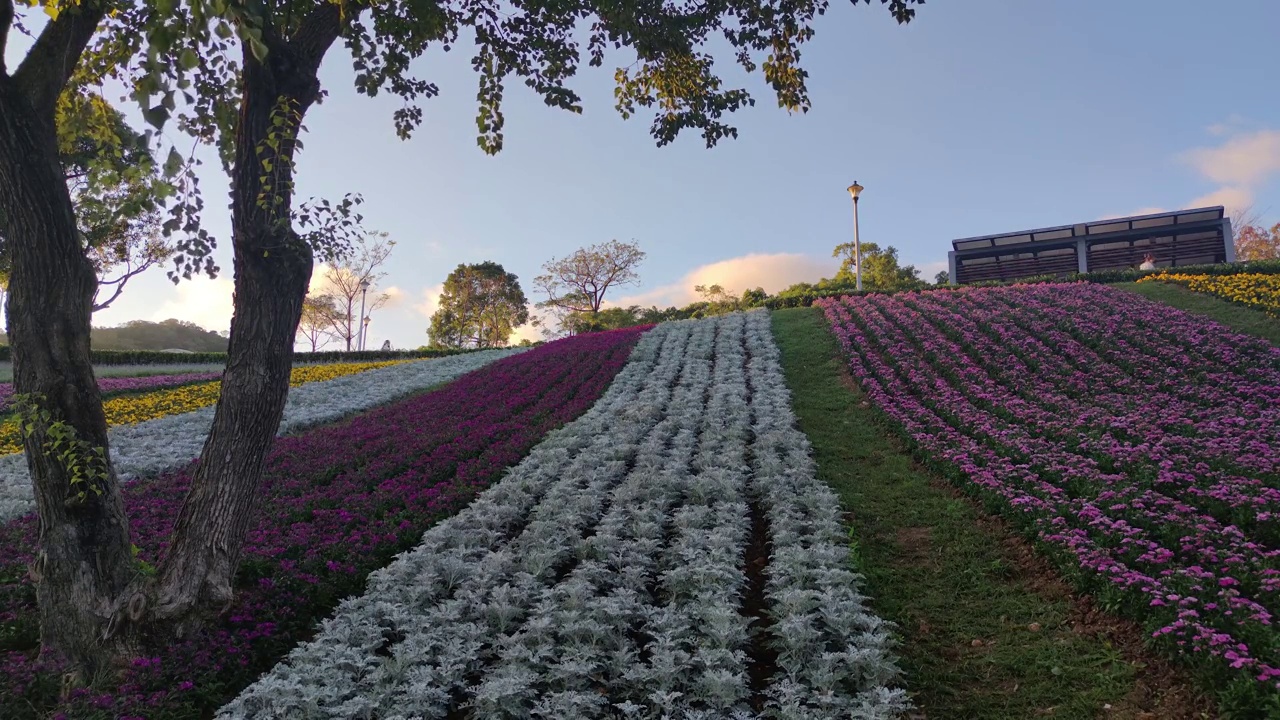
44,73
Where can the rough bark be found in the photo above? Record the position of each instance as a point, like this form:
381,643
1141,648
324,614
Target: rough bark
84,563
272,270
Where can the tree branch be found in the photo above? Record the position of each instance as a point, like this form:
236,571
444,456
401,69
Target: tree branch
317,31
6,22
44,73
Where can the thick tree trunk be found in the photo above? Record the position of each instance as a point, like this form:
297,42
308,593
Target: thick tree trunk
224,494
272,270
85,562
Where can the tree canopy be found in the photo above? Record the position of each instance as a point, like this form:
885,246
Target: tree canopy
480,306
578,283
880,268
118,192
1254,242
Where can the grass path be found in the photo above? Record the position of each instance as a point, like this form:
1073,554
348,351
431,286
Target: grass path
988,630
1242,319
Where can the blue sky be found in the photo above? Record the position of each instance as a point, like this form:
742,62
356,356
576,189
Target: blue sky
980,116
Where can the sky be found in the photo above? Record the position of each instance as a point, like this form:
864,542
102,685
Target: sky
979,117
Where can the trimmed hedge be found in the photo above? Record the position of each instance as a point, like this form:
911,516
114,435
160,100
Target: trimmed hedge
156,357
1262,267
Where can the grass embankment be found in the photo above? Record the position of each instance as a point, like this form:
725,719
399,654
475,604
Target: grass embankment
988,630
1242,319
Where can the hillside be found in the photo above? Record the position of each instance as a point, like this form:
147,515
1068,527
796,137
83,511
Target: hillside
171,334
1052,500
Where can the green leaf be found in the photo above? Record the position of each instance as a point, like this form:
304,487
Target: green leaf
257,47
188,59
173,163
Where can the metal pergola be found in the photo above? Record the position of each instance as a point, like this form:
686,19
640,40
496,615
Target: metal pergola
1185,237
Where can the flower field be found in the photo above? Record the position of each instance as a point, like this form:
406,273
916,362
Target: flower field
612,572
1250,289
129,409
171,441
1140,447
338,502
125,384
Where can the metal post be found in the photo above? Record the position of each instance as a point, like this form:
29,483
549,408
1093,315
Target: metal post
1229,240
857,245
1082,256
951,269
364,286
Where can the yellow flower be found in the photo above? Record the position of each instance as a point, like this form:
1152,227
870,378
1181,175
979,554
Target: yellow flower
1250,289
129,409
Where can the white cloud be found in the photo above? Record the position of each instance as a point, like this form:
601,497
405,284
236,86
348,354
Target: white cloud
1243,161
929,271
395,296
772,272
1235,199
525,332
202,301
1150,210
1232,124
430,300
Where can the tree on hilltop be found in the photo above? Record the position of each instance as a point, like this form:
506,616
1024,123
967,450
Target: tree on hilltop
579,282
242,76
880,268
480,306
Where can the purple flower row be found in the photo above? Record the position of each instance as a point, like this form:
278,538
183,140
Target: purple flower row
1139,444
337,503
111,385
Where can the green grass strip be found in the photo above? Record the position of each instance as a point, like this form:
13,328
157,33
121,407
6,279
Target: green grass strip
1242,319
940,570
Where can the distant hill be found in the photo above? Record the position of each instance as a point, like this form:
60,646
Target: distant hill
169,334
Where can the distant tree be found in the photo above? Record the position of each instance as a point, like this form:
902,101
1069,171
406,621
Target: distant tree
942,278
343,280
578,283
880,268
316,325
718,301
1256,243
480,306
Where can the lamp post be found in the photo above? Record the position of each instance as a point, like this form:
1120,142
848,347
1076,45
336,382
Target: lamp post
364,336
364,288
855,190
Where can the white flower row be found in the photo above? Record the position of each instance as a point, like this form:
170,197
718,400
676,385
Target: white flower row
603,576
834,655
164,443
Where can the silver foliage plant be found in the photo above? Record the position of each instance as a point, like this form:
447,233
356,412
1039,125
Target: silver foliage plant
603,576
165,443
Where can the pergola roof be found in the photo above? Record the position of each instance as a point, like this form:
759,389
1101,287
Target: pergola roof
1175,238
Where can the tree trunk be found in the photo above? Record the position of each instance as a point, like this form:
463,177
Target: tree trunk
215,515
272,271
84,562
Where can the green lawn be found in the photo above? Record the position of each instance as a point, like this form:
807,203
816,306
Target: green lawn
949,575
1241,318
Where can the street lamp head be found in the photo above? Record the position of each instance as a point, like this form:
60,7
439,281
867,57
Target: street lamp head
364,285
855,189
366,321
